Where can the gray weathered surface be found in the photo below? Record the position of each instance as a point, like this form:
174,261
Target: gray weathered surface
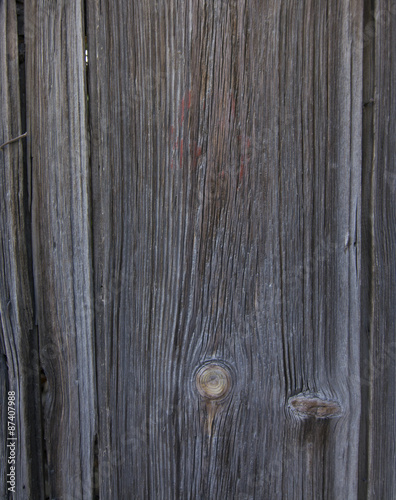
213,237
59,162
226,159
378,367
18,338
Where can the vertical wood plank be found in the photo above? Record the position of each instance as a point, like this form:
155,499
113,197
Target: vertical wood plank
226,159
59,161
320,243
378,448
19,370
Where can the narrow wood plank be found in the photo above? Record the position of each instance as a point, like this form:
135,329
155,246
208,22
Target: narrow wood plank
58,151
19,370
226,160
378,448
319,241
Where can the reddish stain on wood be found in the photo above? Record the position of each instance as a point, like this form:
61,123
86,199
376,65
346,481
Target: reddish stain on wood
242,169
245,143
195,151
181,153
182,112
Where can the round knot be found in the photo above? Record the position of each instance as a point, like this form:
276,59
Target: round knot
213,381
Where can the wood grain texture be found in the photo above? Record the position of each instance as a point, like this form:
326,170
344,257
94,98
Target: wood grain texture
212,216
59,162
378,367
19,370
226,164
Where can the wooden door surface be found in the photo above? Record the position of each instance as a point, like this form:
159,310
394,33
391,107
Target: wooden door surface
198,274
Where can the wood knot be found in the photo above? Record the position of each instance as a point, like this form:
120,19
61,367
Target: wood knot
214,381
310,405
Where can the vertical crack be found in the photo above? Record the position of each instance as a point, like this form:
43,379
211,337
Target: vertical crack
368,40
44,390
95,443
96,469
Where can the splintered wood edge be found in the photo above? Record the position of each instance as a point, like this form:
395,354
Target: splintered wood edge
308,405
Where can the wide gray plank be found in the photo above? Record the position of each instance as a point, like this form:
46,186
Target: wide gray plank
59,162
19,370
226,160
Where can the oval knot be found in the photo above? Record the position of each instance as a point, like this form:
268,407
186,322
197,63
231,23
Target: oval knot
311,405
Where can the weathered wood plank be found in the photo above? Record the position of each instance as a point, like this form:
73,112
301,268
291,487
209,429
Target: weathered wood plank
321,128
378,368
58,151
18,339
226,160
